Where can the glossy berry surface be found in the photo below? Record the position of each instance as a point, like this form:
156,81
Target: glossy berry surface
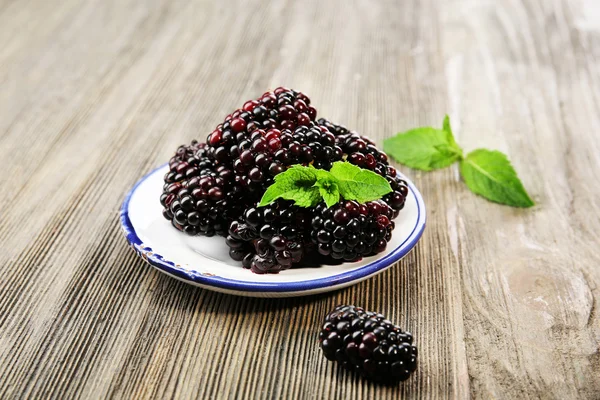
269,239
250,141
369,344
198,198
349,231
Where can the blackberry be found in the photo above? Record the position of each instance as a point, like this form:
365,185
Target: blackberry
314,144
269,239
333,128
198,198
282,108
399,186
187,162
369,344
271,153
350,231
361,151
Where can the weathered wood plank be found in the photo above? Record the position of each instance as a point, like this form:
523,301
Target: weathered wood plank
502,302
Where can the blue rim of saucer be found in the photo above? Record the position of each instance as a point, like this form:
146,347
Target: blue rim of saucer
244,286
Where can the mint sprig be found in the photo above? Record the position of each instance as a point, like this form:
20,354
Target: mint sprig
308,186
487,173
359,184
297,183
490,174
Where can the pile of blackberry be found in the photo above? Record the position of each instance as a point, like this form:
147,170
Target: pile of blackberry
213,188
369,344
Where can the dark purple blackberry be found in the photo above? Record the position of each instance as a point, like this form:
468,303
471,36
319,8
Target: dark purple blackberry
333,128
251,140
314,144
273,236
282,108
187,162
272,152
198,198
367,343
350,231
397,198
361,151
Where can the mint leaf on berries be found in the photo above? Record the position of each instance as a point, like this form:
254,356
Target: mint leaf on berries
307,186
424,148
297,183
359,184
489,174
329,193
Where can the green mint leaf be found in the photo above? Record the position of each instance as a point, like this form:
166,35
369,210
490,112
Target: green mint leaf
490,174
359,184
420,148
331,197
450,136
447,150
297,183
343,170
328,188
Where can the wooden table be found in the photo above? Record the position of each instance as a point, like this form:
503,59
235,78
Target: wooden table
503,302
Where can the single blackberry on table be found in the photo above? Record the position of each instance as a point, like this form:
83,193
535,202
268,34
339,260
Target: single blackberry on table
198,198
269,239
369,344
350,231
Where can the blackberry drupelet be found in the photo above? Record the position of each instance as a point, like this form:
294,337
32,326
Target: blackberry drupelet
368,343
350,231
269,239
197,198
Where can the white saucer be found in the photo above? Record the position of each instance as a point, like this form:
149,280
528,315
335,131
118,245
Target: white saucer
205,262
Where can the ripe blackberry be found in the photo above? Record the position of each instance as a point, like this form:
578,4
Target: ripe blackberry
282,108
314,144
273,236
350,231
397,198
368,343
333,128
187,162
361,151
271,153
197,198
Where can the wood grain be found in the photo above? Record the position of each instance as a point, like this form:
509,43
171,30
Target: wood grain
503,303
